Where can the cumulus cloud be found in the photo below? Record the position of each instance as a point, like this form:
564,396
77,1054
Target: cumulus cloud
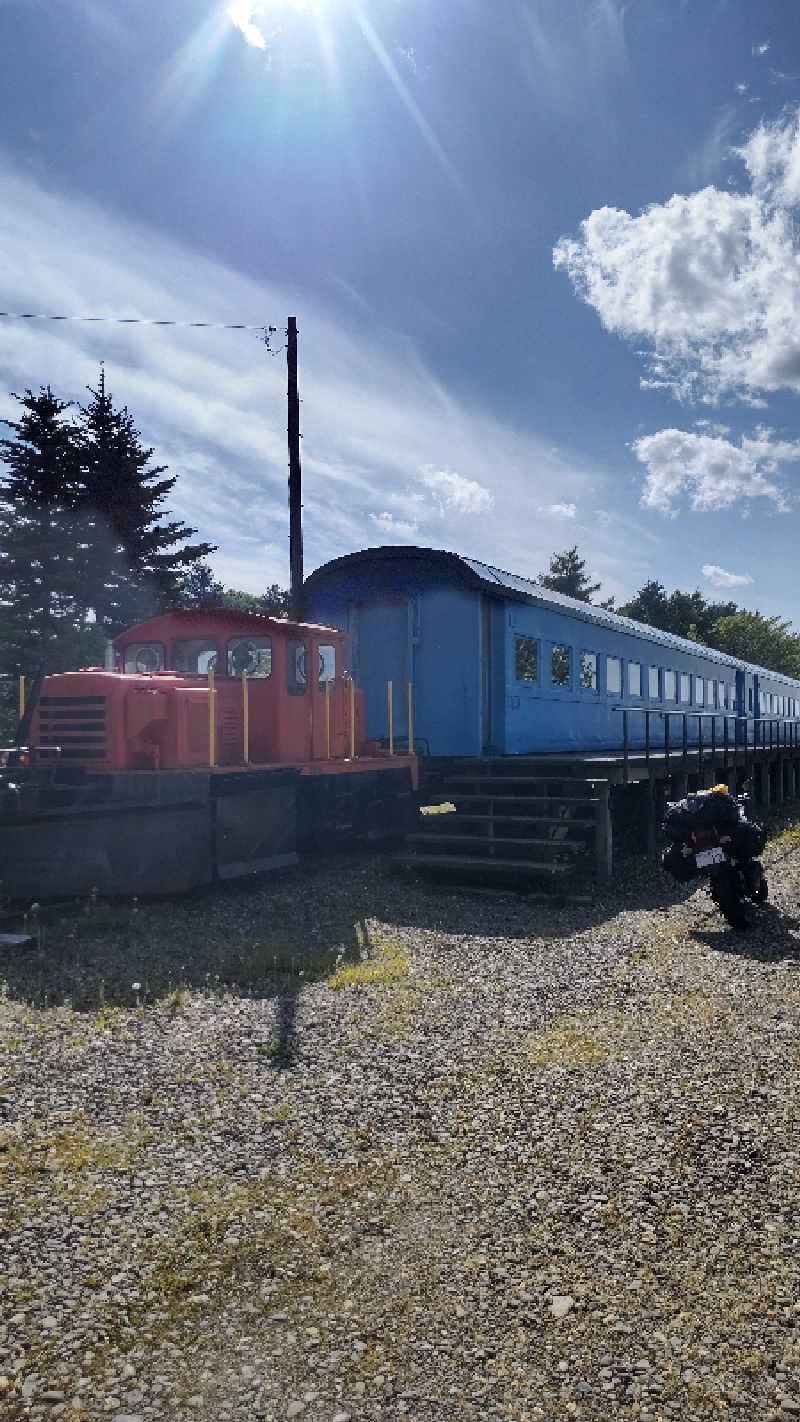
709,282
713,472
455,492
721,578
561,510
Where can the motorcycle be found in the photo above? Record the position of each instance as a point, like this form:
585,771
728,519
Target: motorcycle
710,833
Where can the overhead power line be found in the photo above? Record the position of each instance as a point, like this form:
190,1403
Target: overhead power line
265,331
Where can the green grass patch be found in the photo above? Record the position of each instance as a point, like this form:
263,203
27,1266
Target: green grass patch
388,967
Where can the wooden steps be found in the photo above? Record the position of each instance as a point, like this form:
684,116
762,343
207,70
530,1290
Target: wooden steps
515,827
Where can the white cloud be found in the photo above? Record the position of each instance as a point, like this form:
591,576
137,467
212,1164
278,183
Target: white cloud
714,472
456,493
759,49
742,88
561,510
393,528
257,19
721,578
380,435
710,281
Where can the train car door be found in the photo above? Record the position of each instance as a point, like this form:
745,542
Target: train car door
383,656
322,673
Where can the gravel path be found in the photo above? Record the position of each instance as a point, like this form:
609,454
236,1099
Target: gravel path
441,1157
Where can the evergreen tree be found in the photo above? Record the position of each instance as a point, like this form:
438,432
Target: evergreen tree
200,587
567,574
139,562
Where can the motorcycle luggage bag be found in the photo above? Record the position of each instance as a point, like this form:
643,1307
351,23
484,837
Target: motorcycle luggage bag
747,840
681,866
718,811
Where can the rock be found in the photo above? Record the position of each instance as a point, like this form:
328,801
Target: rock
561,1305
295,1408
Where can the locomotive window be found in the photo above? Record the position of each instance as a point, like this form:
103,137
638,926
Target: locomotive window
144,657
699,690
559,666
252,655
588,671
669,686
634,679
326,664
295,668
613,675
194,656
526,659
686,694
652,682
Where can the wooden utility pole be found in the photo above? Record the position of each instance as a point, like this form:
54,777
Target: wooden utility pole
295,497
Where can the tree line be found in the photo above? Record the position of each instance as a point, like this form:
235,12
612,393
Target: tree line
767,641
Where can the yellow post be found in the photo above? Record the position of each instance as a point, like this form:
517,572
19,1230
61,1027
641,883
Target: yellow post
21,697
328,719
391,729
245,720
411,718
352,719
211,745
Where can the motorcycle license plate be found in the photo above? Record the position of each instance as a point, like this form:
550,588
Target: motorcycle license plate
709,856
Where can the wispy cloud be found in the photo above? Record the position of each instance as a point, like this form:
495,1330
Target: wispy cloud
560,510
721,578
386,450
759,49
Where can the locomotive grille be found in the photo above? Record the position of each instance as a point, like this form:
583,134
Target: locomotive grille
75,723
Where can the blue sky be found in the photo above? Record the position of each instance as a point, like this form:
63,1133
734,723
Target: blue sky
542,253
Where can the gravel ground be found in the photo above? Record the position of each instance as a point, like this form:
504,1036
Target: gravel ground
347,1147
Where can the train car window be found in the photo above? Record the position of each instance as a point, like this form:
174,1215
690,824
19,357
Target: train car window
559,666
652,682
589,671
526,659
686,691
295,668
762,703
326,664
710,696
613,675
699,690
750,699
144,657
634,679
721,701
195,656
252,655
669,685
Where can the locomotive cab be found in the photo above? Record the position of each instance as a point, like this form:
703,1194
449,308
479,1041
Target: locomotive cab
211,686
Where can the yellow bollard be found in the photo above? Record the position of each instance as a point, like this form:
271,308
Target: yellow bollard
211,744
245,720
21,697
391,728
411,718
352,720
328,719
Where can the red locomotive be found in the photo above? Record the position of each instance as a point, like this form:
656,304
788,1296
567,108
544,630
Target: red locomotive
219,744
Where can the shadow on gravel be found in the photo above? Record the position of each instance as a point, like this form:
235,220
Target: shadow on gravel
269,938
771,937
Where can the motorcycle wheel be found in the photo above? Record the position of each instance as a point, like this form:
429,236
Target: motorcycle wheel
725,893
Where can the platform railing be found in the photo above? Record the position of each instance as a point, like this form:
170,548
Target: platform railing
767,734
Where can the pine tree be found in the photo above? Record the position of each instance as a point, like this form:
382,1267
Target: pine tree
139,561
567,574
45,617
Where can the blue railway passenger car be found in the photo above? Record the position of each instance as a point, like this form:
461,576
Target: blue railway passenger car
503,666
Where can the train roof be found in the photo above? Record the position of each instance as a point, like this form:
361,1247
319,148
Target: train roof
232,616
485,577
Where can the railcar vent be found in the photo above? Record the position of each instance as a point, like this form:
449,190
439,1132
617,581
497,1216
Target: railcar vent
75,723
